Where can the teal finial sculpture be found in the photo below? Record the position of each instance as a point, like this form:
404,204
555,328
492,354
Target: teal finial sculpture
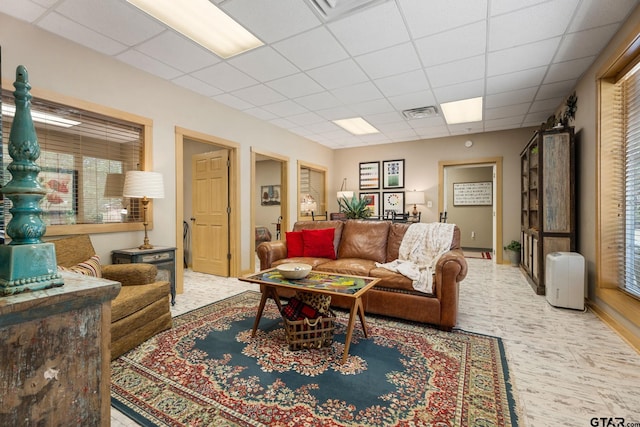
26,263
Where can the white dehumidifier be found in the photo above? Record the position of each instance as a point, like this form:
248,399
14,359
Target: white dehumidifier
564,280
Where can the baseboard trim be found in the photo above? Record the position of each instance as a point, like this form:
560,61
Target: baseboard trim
619,328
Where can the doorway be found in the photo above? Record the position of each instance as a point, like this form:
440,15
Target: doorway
185,141
269,197
480,220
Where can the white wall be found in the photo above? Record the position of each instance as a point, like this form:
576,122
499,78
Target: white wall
63,67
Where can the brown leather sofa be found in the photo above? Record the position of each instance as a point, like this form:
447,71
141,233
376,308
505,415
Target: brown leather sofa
359,244
140,310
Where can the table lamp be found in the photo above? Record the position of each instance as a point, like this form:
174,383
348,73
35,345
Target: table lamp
415,198
145,185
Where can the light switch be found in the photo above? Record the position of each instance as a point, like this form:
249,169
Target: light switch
429,204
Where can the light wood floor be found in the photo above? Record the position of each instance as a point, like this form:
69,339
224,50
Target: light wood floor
567,366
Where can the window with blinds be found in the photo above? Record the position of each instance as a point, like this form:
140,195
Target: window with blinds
629,110
84,156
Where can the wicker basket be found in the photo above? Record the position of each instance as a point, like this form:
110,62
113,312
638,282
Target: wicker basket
309,333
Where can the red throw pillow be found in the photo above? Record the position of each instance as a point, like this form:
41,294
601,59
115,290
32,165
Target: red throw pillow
319,243
294,244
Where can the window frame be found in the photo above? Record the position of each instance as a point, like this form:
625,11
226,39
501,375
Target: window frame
145,161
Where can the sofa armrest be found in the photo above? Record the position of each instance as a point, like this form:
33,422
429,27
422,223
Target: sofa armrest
269,252
451,269
130,274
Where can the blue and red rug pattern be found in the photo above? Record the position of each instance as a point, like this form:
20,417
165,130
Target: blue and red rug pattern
208,371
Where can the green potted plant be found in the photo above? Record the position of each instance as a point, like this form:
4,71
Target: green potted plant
354,208
513,251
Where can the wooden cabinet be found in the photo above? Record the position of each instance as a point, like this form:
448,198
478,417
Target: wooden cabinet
548,202
55,354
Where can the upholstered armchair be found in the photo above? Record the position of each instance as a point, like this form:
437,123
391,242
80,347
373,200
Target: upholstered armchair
140,310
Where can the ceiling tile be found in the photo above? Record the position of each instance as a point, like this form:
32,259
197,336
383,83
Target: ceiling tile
554,90
517,28
534,119
312,49
464,70
456,92
391,61
522,57
510,98
448,46
263,64
119,20
385,118
306,119
546,105
567,70
261,114
296,85
197,86
357,93
431,17
64,27
376,106
150,65
596,13
584,43
25,10
285,108
499,7
179,52
337,113
516,80
421,98
508,111
225,77
343,73
232,101
258,95
373,29
272,20
318,101
402,83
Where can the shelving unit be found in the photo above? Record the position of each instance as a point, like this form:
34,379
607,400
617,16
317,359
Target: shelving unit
547,200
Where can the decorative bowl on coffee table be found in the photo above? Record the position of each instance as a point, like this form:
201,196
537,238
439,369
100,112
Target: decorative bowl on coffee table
294,270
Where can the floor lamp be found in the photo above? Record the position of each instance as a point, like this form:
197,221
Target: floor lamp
144,185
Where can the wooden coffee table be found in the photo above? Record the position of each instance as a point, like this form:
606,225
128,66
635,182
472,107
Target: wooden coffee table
352,287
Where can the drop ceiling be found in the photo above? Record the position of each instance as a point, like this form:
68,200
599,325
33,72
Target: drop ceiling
373,60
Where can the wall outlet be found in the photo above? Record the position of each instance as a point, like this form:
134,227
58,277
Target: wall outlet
429,204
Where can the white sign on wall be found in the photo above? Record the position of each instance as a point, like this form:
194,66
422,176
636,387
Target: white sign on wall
473,193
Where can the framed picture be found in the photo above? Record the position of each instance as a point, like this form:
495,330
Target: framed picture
270,195
473,193
393,174
60,203
370,176
373,202
392,201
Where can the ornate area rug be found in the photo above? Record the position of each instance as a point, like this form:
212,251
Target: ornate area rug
208,371
477,254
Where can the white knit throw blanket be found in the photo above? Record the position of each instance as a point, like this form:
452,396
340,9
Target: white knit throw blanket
422,245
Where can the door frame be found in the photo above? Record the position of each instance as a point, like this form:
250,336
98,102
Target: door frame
496,162
234,201
284,198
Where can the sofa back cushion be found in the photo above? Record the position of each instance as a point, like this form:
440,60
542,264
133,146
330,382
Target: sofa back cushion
364,239
73,250
396,233
316,225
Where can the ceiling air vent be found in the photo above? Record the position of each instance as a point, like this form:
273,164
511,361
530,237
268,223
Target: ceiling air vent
333,9
421,113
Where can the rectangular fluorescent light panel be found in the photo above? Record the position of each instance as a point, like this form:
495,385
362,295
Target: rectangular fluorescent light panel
356,126
464,111
37,116
202,22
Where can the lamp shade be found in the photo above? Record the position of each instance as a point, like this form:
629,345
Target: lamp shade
139,184
414,198
345,194
114,185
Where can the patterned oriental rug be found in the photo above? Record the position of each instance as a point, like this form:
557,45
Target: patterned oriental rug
477,254
208,371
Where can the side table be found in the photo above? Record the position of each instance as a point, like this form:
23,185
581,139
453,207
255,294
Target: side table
163,257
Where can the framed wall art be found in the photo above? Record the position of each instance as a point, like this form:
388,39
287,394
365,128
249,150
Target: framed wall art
60,203
369,176
473,193
393,174
392,201
373,202
270,195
